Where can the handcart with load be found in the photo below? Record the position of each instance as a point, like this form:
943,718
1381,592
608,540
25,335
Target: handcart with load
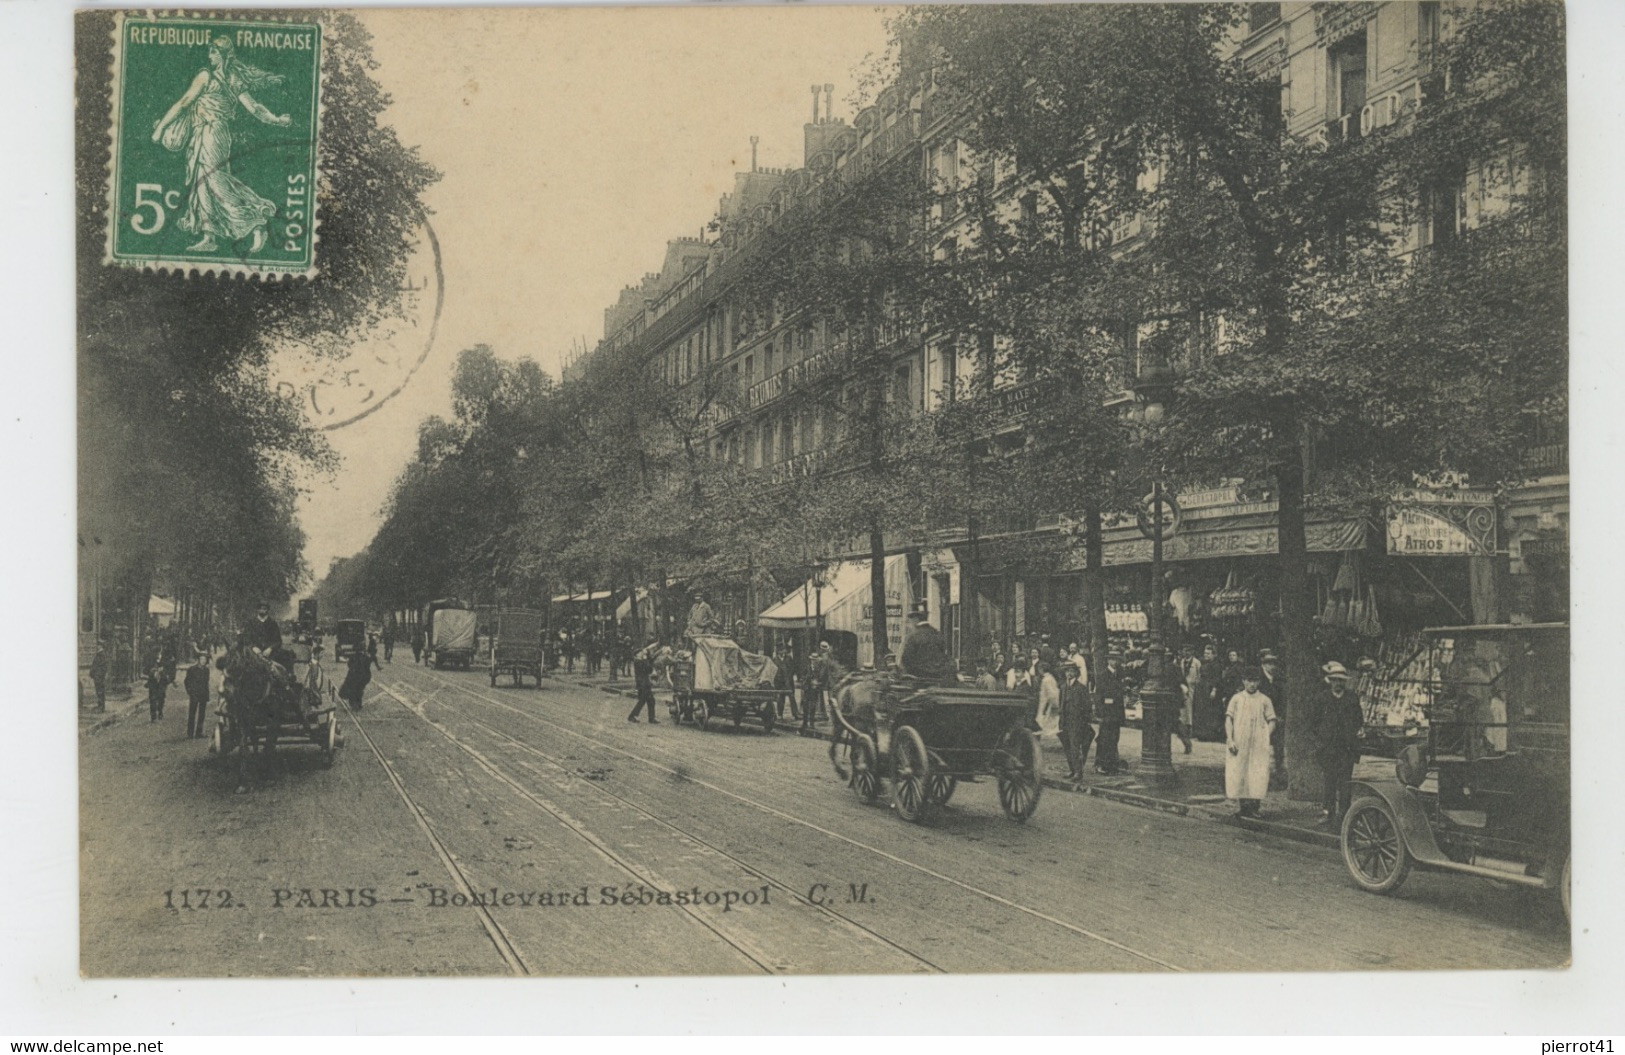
720,680
516,644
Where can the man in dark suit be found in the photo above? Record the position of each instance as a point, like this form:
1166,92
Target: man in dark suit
925,654
1109,691
197,695
1274,686
262,633
643,674
1076,732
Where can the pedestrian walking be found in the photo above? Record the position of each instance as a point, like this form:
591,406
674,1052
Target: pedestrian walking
157,686
1248,719
389,642
419,640
1207,705
643,674
1339,718
357,677
197,695
1111,713
1076,732
784,680
99,665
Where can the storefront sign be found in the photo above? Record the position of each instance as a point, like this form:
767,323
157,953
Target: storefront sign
1457,525
1333,537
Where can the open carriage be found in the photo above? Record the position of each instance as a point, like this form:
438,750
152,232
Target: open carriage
927,739
265,705
720,680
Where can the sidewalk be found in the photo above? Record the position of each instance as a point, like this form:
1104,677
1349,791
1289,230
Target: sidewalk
1198,790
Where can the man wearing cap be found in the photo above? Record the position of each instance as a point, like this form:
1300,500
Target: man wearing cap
1109,691
925,655
1339,719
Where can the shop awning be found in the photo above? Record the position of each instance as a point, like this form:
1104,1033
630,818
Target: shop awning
841,600
599,595
1252,535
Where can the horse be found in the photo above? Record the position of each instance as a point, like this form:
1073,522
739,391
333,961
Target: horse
258,695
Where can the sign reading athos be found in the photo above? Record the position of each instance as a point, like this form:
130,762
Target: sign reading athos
1453,524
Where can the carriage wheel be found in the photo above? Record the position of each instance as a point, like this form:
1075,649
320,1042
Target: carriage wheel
702,713
941,788
217,737
865,777
911,775
1373,849
1021,761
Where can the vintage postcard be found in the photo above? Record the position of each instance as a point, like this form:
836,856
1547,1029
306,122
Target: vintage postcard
812,490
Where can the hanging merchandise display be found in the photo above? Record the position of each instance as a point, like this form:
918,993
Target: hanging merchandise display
1232,600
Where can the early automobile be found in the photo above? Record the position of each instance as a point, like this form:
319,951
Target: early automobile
720,680
1487,792
349,635
926,739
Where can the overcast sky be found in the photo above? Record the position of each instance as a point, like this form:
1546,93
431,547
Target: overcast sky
573,144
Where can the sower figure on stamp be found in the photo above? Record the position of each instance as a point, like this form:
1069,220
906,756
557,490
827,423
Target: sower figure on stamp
197,695
219,206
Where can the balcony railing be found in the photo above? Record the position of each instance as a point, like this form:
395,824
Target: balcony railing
1547,458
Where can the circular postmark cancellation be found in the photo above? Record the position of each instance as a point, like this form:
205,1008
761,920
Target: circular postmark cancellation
340,385
214,145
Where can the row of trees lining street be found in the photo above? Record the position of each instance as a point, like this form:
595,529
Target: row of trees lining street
1267,315
189,459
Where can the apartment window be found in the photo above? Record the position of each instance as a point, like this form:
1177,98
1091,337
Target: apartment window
1443,210
767,361
1346,61
1262,15
1428,16
750,369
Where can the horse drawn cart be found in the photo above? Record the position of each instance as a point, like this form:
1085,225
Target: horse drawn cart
722,680
516,645
266,704
927,739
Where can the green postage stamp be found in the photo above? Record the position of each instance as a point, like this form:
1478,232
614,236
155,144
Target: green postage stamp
214,129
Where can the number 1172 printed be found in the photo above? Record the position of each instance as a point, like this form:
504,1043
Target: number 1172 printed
215,145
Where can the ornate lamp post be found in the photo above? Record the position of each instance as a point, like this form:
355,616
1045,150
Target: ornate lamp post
1159,517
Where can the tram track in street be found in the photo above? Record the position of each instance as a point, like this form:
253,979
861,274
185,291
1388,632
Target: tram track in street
447,682
742,944
504,943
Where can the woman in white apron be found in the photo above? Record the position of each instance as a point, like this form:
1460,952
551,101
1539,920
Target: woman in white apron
1247,723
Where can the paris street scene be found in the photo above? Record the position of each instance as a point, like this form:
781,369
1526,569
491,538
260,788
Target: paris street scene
823,490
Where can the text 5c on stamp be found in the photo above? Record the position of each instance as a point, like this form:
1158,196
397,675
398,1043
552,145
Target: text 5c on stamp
214,164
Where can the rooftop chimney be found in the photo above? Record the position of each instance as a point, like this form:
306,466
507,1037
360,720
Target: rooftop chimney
815,91
829,102
753,141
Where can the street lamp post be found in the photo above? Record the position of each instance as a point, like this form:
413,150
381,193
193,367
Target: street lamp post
1159,693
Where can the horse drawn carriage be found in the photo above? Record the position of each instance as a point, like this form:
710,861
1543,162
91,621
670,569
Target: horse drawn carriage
266,704
721,680
926,739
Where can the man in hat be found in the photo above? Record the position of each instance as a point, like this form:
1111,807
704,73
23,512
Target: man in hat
643,676
197,695
262,634
1076,732
984,677
1109,691
925,655
1339,719
702,619
1274,686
